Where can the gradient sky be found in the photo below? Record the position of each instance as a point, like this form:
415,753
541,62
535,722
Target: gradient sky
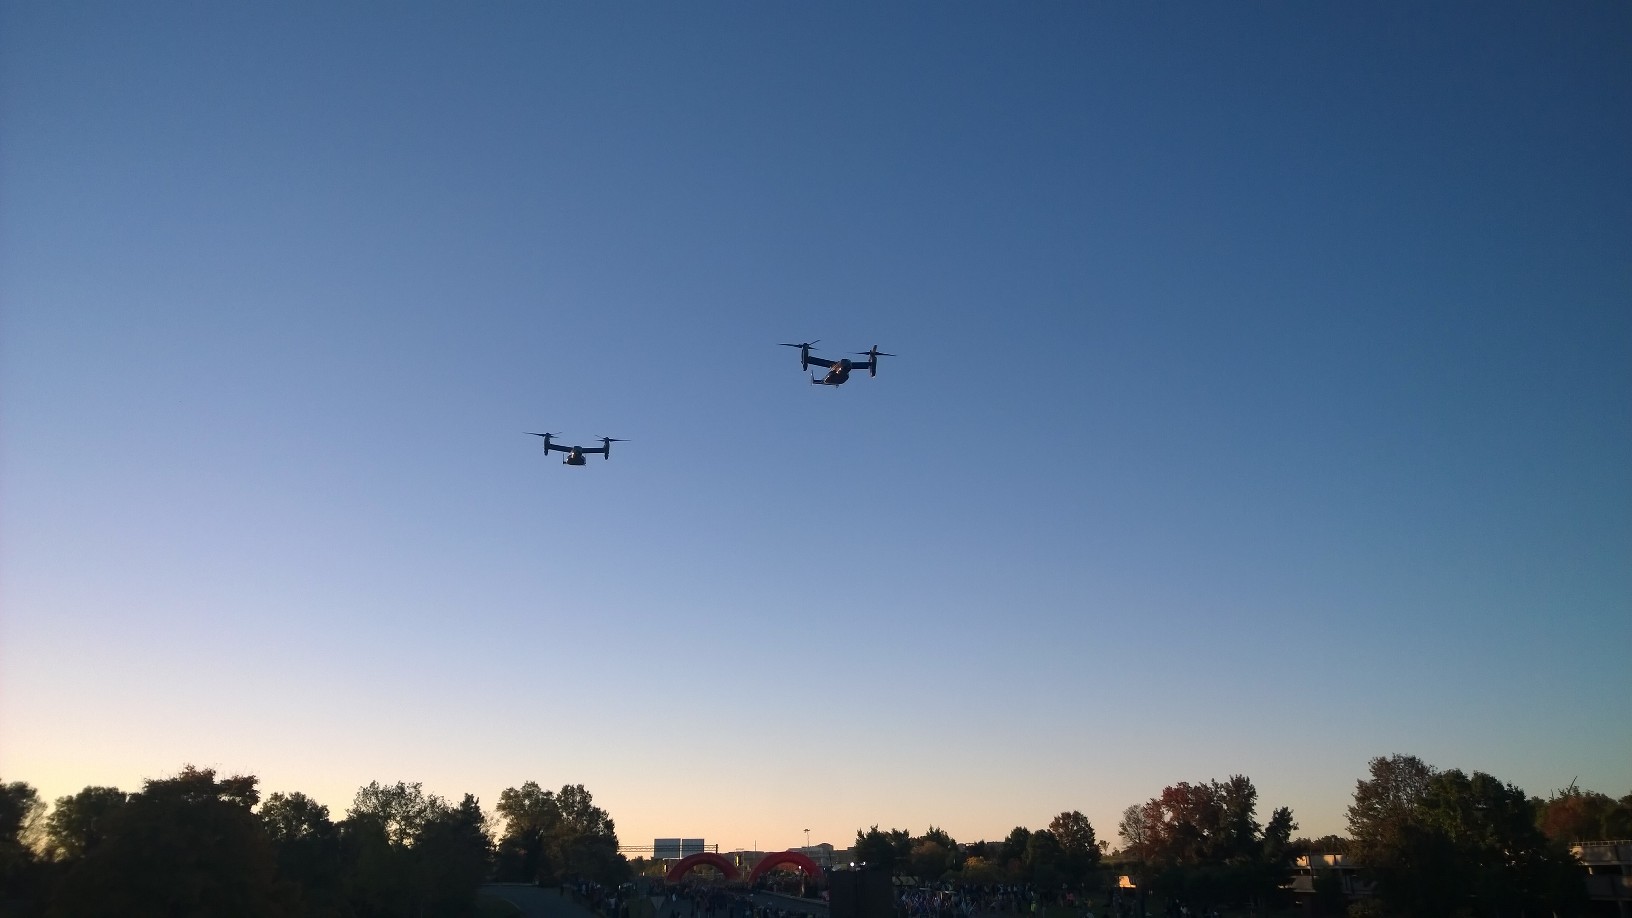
1264,402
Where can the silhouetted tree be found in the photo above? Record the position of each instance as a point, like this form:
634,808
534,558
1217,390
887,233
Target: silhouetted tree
1043,860
1326,844
1203,843
187,845
453,853
1012,854
80,822
312,863
413,854
585,842
887,851
379,872
551,836
528,813
1138,835
20,810
939,836
22,876
399,809
929,860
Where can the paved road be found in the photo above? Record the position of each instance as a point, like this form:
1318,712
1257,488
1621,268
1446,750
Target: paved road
537,903
793,904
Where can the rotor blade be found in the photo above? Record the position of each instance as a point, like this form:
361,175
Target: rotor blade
801,344
531,434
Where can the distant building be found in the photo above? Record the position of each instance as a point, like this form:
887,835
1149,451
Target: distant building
824,854
1609,876
1306,868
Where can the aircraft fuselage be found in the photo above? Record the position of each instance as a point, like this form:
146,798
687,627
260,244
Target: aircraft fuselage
838,374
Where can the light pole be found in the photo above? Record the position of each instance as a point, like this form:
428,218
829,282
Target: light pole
807,841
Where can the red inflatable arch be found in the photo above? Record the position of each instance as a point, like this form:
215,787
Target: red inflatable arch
704,858
810,867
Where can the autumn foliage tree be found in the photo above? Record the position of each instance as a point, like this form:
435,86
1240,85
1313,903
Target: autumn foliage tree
1203,842
1573,816
933,855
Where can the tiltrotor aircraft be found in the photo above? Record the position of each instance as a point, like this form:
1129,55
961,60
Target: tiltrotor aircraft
576,454
838,371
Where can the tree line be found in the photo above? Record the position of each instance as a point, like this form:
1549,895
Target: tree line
197,844
1432,842
1198,843
1427,842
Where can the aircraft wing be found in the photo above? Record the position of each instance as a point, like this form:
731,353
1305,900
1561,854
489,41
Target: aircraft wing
586,450
819,361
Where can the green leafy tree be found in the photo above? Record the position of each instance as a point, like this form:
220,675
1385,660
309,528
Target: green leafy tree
1012,855
528,813
1618,821
933,855
1508,861
929,861
549,836
187,845
585,843
80,822
1384,802
1044,860
1440,842
887,851
1079,847
954,851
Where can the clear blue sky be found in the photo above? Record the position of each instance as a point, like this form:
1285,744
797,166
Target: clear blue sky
1264,402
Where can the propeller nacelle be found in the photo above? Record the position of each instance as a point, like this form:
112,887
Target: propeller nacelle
606,444
804,352
872,354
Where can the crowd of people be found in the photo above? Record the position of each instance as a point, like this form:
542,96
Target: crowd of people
705,900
